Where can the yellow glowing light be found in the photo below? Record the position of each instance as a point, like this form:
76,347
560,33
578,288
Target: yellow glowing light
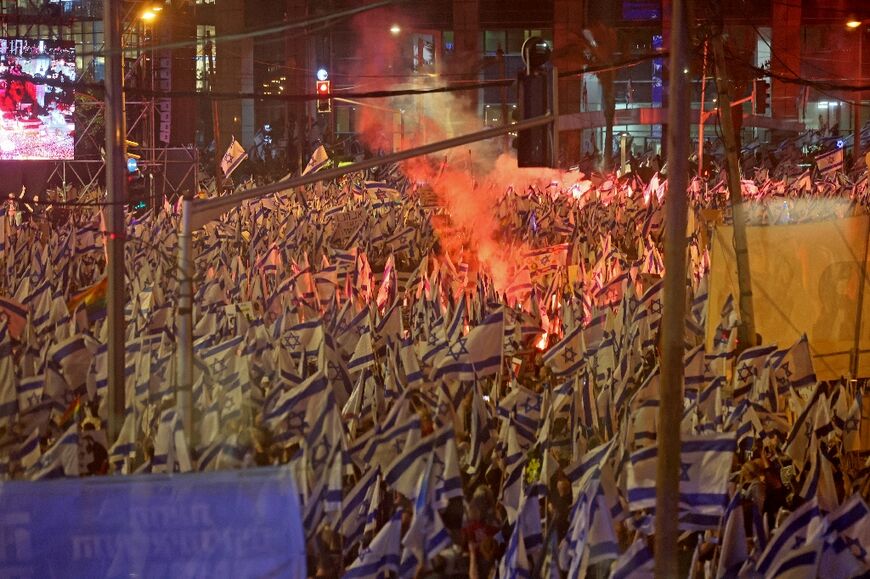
149,15
853,23
156,7
394,29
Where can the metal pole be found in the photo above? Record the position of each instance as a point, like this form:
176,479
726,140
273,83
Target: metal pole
184,385
674,312
856,103
703,114
554,112
856,351
115,232
746,330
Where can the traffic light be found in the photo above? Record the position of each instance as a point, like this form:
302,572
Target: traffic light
761,94
324,92
536,147
137,192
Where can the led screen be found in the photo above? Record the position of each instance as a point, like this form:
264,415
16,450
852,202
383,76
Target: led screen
36,99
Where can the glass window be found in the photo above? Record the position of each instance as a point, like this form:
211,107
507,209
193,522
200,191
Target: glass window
493,40
447,39
515,39
204,33
342,120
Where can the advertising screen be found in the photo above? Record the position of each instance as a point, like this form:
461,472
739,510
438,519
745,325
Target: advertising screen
36,108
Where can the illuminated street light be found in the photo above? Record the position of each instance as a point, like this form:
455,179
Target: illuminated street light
395,30
853,23
149,15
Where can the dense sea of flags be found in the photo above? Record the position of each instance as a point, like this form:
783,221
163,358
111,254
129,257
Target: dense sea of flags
344,332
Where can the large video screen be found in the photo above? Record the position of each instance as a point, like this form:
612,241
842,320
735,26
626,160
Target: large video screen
37,102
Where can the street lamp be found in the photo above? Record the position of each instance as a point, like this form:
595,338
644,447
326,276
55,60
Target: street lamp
149,15
857,26
395,30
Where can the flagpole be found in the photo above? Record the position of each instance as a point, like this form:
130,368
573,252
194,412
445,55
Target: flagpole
184,384
746,329
674,312
115,227
703,115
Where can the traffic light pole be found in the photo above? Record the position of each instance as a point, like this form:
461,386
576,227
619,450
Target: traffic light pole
115,227
674,310
746,330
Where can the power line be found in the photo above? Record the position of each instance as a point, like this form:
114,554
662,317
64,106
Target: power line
253,33
796,77
453,87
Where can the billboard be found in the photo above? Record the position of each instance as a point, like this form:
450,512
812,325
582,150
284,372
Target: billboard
36,103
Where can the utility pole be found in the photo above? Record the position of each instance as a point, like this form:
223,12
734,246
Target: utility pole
215,115
115,229
674,312
746,330
856,103
703,114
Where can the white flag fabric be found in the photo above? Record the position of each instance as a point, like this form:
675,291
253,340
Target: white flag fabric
234,157
318,160
830,162
476,355
381,556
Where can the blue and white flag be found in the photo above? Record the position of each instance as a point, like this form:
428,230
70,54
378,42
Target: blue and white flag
62,459
387,444
734,551
566,356
516,564
426,535
799,563
381,557
705,465
29,452
363,355
124,448
847,544
477,355
318,161
635,563
8,380
288,411
405,471
70,359
791,534
795,368
830,162
234,157
355,507
746,371
170,445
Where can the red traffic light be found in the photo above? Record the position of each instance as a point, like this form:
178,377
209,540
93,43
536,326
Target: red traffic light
324,87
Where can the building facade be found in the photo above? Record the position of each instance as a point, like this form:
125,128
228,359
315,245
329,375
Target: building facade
421,45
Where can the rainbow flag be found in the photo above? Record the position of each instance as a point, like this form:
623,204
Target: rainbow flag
94,300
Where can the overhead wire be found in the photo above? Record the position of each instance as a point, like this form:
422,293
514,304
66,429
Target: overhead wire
253,33
797,79
455,86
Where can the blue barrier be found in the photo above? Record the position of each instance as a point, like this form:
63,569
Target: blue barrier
227,524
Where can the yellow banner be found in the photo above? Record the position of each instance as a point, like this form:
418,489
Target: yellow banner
806,278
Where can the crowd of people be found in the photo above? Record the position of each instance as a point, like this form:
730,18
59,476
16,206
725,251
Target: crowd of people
448,408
